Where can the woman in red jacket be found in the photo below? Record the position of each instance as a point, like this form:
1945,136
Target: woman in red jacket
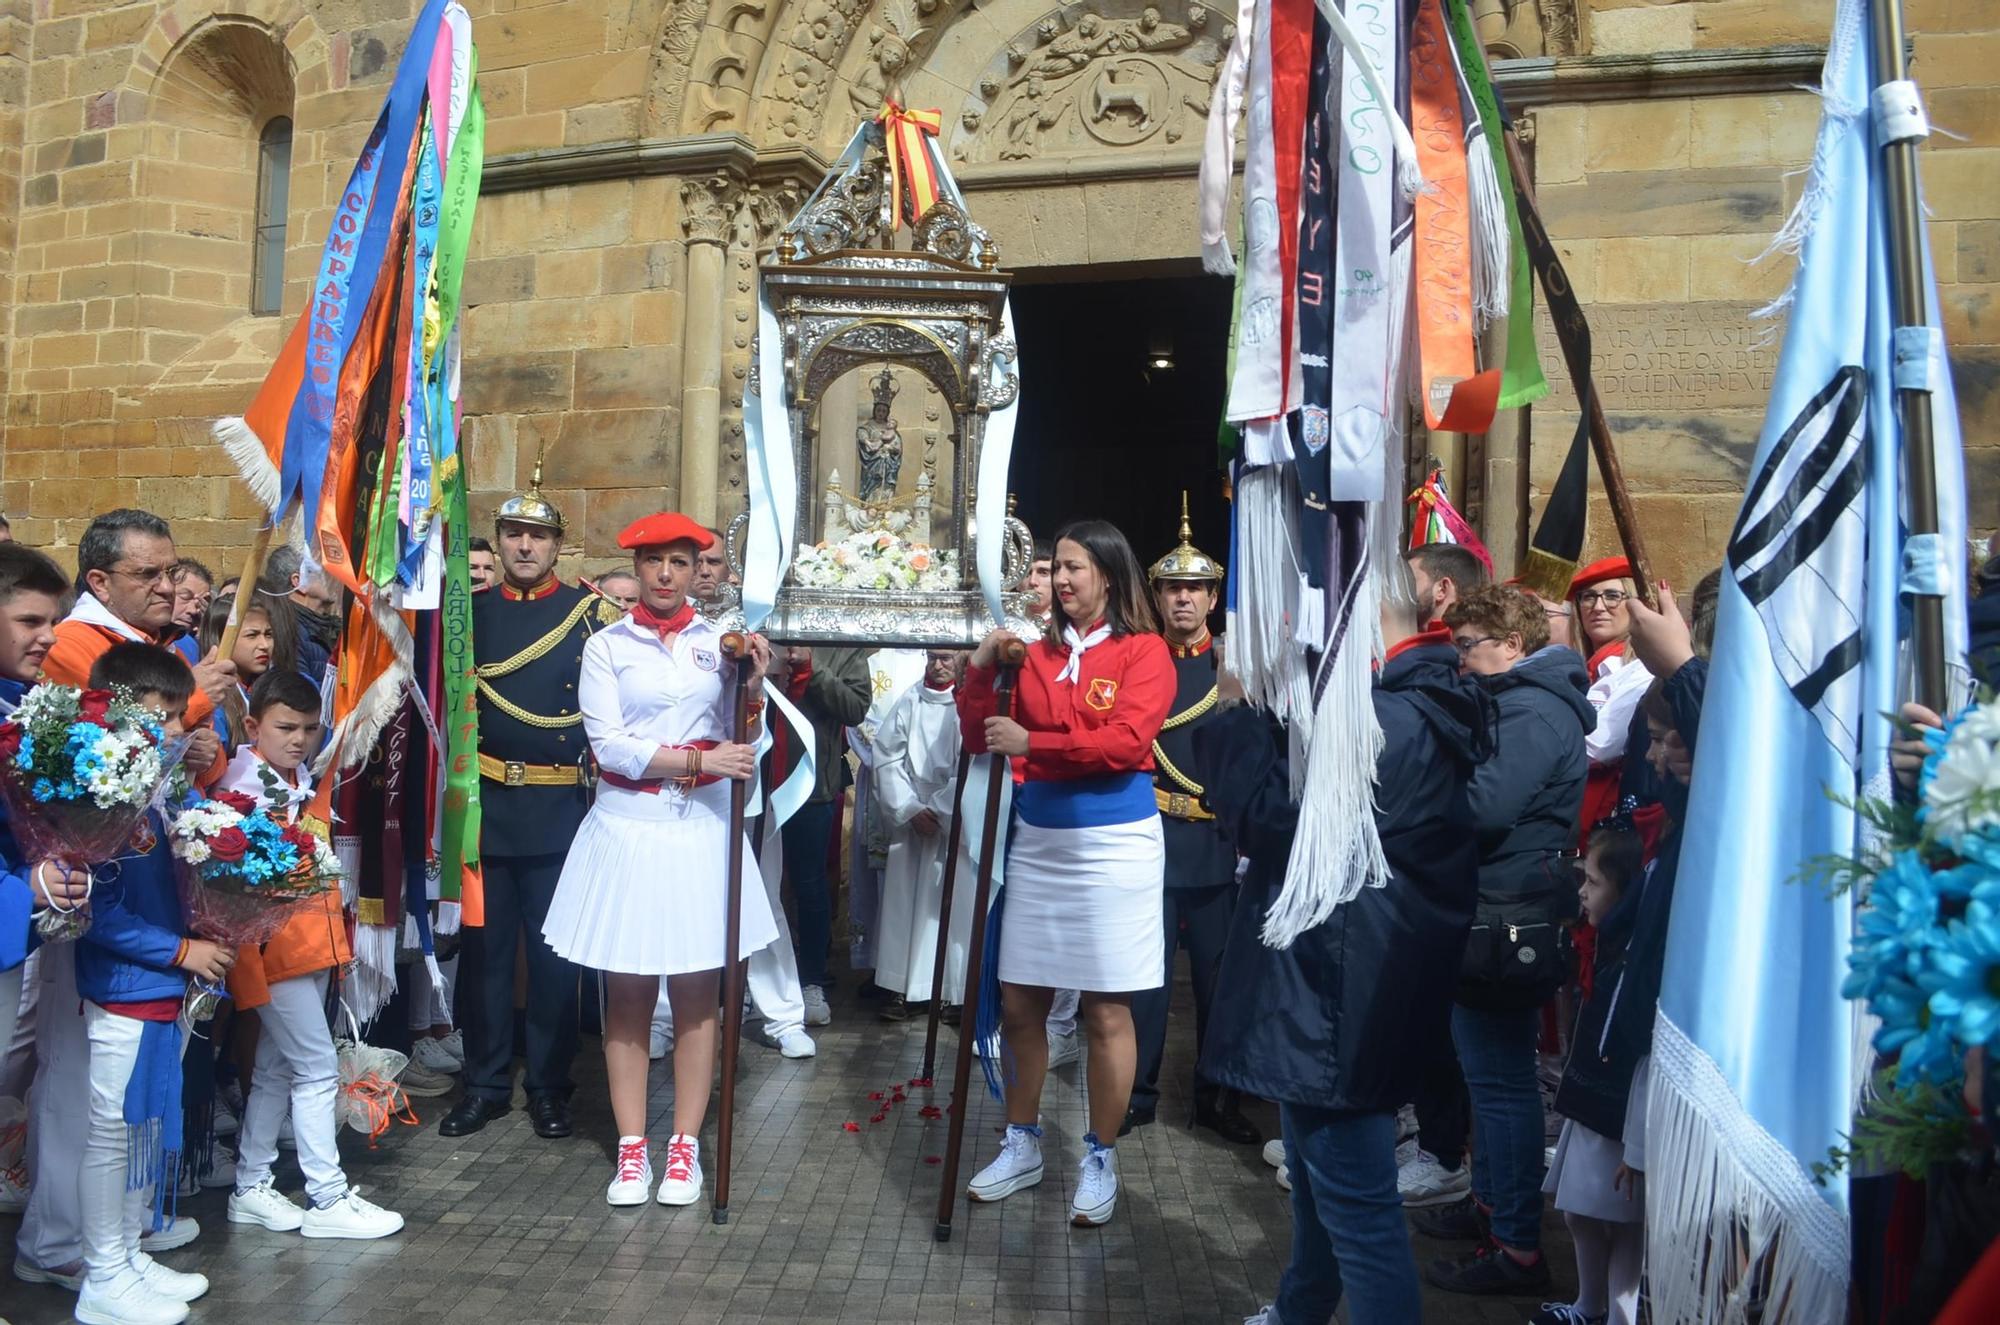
1085,862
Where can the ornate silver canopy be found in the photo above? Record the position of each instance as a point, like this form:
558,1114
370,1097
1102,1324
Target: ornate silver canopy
886,557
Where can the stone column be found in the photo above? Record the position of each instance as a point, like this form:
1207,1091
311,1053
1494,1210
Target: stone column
707,207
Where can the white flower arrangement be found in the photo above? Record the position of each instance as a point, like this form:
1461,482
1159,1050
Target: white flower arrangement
1961,798
875,559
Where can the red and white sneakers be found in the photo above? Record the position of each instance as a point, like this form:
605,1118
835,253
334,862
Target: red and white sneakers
682,1184
632,1179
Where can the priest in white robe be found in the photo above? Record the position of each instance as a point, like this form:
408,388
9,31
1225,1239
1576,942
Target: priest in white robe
915,768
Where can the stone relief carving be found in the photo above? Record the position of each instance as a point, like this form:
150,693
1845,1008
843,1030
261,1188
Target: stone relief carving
708,209
1114,74
673,56
892,49
1562,26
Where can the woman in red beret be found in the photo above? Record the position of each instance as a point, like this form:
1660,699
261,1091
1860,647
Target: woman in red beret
642,892
1601,594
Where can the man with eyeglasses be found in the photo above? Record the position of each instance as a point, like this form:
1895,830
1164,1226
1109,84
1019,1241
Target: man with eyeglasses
125,590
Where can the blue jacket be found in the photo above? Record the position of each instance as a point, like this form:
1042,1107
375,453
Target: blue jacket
1330,1021
136,925
17,930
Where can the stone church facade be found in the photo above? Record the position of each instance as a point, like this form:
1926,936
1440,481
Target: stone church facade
155,156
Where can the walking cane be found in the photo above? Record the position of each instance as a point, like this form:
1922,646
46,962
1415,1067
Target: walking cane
944,914
735,647
1012,652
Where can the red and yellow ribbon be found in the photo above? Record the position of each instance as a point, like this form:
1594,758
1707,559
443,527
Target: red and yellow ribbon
912,175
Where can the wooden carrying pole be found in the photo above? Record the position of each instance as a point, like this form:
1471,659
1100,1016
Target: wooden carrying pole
1578,359
735,647
1012,652
253,567
944,916
1910,288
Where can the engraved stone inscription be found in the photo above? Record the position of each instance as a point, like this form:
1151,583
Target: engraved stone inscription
1661,358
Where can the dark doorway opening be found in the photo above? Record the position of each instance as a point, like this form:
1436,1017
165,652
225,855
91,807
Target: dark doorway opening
1122,396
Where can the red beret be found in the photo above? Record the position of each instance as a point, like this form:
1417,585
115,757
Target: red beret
1611,568
663,528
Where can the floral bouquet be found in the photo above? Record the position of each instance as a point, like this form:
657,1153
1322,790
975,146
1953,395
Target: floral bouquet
1926,950
875,559
78,770
243,871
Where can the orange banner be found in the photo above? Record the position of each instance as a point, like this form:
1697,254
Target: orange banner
1457,396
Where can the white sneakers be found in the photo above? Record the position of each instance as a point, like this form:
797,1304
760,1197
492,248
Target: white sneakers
682,1183
351,1217
1019,1165
436,1056
267,1207
168,1282
58,1276
175,1233
818,1013
1425,1182
1274,1155
126,1298
1064,1050
1406,1153
631,1175
1268,1316
794,1043
1096,1187
424,1082
660,1043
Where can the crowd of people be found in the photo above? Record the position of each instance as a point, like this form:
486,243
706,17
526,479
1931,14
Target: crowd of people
1449,1052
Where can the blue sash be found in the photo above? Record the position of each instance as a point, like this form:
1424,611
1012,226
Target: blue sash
1097,802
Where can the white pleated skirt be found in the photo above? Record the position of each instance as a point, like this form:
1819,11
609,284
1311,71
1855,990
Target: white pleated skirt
1084,907
642,890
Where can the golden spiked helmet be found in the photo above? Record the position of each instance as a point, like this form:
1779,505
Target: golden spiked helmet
1187,562
530,507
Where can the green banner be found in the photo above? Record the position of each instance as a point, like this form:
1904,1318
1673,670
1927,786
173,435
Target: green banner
461,718
1521,382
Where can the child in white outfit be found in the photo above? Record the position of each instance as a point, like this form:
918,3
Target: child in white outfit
285,981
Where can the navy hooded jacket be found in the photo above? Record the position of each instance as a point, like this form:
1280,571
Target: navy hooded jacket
1329,1022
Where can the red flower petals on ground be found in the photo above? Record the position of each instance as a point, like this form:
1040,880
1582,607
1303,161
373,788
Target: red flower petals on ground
930,1111
850,1127
933,1159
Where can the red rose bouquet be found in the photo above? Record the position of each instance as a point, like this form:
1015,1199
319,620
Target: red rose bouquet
243,870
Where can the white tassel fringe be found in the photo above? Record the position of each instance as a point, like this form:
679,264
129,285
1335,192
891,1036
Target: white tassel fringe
1492,250
246,451
1337,850
1261,654
450,919
373,981
1731,1218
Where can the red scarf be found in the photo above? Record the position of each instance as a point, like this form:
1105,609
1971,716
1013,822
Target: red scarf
672,624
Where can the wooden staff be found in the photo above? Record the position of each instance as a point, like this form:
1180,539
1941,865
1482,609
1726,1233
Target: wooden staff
944,916
1578,361
736,648
253,566
1012,652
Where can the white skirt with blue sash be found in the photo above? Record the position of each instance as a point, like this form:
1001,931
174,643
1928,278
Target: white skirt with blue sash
1086,867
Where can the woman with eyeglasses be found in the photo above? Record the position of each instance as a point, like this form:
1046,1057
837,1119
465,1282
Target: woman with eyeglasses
1524,800
1602,593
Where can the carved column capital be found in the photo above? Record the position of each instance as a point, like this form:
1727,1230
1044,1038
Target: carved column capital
708,209
769,207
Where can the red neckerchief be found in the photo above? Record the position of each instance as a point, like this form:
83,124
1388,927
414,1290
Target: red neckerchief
542,590
671,624
945,687
1431,634
1605,654
1194,650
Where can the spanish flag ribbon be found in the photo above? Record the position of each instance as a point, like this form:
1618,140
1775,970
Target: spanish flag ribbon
912,175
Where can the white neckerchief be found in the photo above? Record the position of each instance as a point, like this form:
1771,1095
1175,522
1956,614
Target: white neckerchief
91,610
1078,646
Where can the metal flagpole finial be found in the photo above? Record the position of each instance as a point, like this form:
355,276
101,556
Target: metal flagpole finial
1187,530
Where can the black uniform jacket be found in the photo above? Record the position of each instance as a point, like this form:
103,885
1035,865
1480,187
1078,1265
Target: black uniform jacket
1198,855
1338,1020
533,820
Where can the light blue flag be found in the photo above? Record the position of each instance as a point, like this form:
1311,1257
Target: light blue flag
1755,1071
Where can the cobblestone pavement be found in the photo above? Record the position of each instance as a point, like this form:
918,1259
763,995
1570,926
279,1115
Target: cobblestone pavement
827,1225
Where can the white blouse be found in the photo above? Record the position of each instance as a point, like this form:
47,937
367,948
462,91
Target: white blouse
638,694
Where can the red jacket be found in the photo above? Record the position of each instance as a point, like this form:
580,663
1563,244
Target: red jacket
1103,722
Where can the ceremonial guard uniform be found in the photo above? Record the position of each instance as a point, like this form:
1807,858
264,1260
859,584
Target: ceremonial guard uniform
1200,892
535,781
